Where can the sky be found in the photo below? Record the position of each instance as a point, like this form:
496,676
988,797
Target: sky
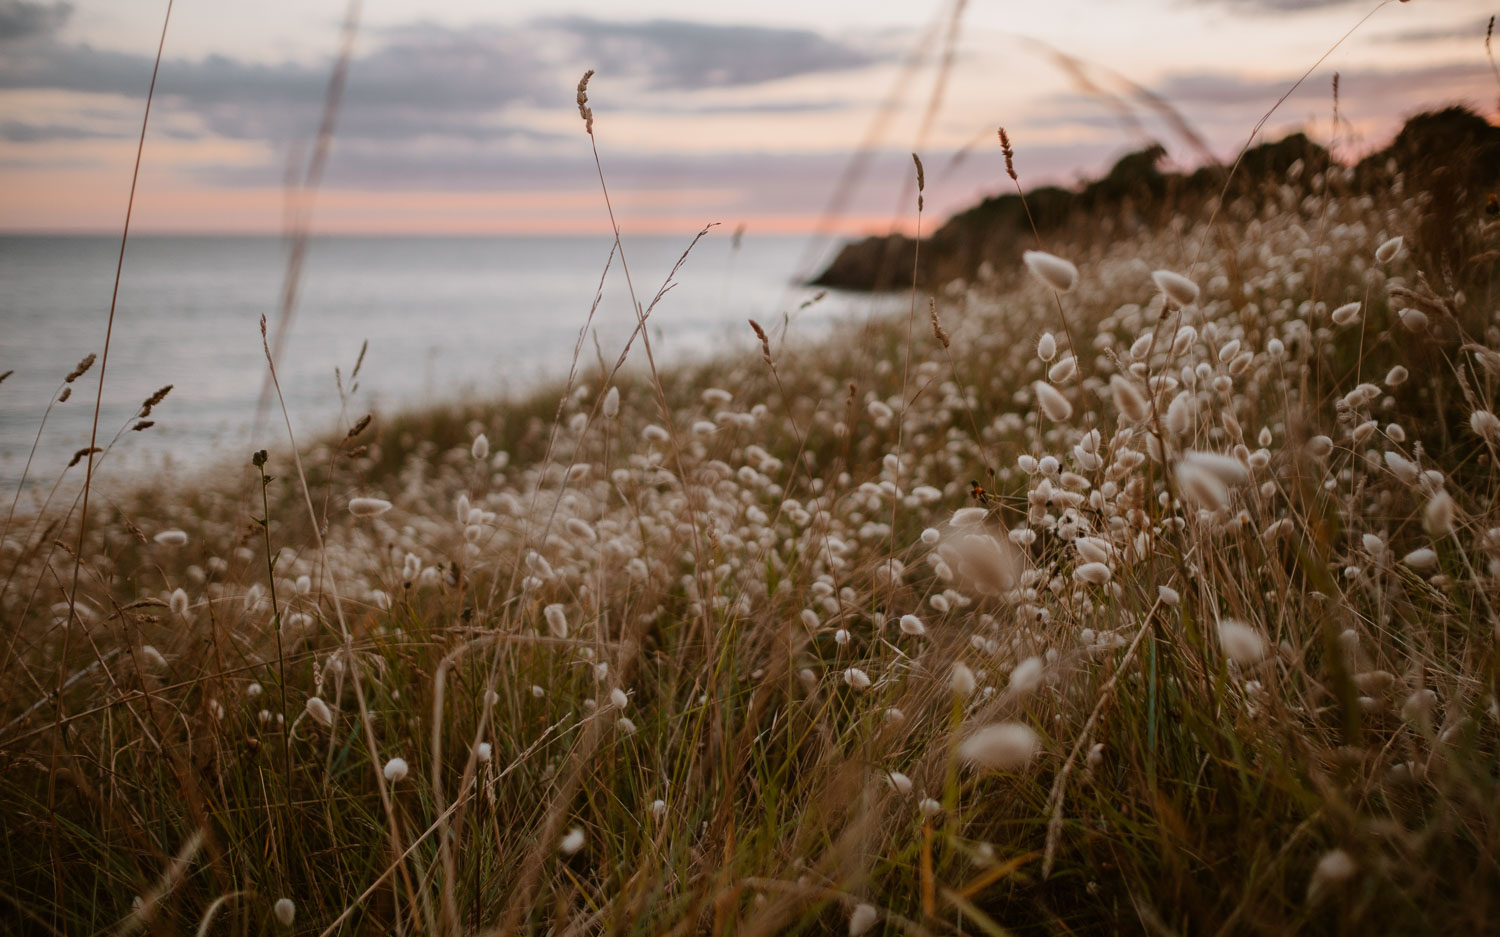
459,116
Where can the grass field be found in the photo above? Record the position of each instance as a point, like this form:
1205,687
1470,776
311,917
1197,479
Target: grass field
739,649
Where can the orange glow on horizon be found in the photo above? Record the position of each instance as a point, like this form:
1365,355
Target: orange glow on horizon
90,206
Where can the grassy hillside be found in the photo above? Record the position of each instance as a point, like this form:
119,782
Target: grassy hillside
736,649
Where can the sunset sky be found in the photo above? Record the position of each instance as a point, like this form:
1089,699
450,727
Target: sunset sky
459,115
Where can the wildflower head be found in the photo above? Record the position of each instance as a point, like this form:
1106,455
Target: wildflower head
319,711
962,681
368,507
1056,273
862,918
1176,287
1046,347
1387,251
1003,746
557,620
1241,643
1052,402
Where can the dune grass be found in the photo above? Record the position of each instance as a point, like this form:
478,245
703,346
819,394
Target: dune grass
1086,598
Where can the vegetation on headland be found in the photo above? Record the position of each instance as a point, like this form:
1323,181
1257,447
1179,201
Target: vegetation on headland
1452,153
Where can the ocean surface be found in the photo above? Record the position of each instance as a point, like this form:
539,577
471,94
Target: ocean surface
445,319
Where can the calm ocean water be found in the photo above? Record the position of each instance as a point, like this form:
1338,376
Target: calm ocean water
445,318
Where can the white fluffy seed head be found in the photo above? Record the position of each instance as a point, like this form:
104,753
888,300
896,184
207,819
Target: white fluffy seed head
1004,746
1129,400
557,620
1415,320
1096,573
581,529
368,507
1052,270
989,564
862,918
1176,287
1169,596
285,911
396,770
1046,347
900,783
1092,549
480,450
1226,468
962,681
857,678
1063,370
171,538
1183,340
1437,519
572,842
618,698
611,406
930,536
1485,424
968,517
1241,643
912,625
1201,487
483,752
1052,402
1424,558
1027,676
1387,251
1180,414
179,603
1402,467
319,710
1334,868
1346,314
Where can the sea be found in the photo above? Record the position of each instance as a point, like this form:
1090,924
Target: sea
438,319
